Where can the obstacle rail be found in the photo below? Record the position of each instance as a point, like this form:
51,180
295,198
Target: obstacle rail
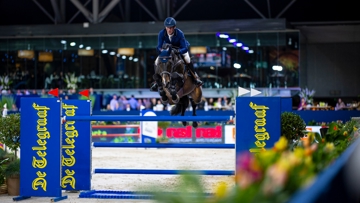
164,172
167,145
148,118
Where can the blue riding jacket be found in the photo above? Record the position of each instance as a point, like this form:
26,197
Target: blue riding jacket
177,40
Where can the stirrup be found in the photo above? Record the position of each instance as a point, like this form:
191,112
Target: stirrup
154,87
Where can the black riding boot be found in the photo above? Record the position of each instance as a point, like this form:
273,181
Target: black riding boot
195,75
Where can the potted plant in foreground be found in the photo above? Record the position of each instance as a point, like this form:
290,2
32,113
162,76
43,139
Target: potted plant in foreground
12,176
10,136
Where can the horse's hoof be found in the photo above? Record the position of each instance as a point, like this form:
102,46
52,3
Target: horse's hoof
176,100
165,102
185,123
195,124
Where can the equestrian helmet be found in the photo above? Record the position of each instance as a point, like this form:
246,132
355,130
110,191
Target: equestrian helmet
169,22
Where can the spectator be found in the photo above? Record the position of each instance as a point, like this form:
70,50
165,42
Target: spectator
122,103
19,93
159,106
133,103
339,105
211,104
14,107
140,105
127,107
153,104
114,105
302,104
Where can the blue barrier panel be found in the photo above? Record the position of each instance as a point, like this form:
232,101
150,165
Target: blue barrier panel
167,145
76,139
40,163
337,183
327,116
149,118
257,123
164,172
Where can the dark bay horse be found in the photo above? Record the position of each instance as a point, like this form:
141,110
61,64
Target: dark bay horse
175,85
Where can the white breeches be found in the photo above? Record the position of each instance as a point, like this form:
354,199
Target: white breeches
186,58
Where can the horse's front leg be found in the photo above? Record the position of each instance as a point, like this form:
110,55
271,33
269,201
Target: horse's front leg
174,96
194,105
164,99
161,90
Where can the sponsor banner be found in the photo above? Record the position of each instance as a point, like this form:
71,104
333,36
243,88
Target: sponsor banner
149,129
188,134
257,123
40,163
116,133
229,134
76,150
314,129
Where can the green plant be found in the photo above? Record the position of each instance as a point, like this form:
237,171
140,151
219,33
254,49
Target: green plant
162,139
10,131
12,169
163,124
292,126
8,100
2,170
312,123
5,82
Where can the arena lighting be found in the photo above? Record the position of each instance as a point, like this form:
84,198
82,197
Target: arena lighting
81,46
198,50
136,60
112,53
232,40
45,56
245,48
222,35
238,44
130,58
237,65
123,57
84,52
126,51
63,41
27,54
72,44
277,68
251,51
88,48
104,51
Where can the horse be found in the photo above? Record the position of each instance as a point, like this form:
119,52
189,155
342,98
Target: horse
175,84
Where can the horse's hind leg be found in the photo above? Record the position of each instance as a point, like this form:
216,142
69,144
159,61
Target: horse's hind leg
184,102
194,105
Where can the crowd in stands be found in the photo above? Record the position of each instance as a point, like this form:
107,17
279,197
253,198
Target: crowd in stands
120,102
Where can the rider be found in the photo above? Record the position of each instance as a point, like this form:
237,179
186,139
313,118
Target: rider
174,36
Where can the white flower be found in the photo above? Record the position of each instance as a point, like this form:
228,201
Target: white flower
307,95
71,81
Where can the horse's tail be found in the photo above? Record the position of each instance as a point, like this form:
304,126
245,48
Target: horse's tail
175,110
